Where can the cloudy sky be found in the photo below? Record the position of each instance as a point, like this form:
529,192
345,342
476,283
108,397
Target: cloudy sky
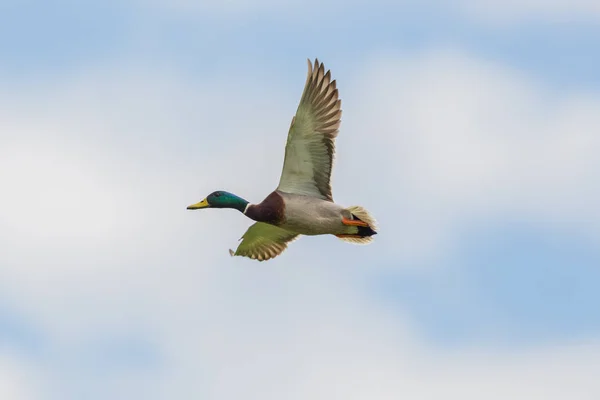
470,130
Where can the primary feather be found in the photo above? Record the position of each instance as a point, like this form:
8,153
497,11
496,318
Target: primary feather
310,146
264,241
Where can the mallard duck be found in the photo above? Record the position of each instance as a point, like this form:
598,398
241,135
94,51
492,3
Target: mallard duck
302,204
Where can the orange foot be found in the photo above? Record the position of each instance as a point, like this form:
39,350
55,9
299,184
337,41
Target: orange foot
353,222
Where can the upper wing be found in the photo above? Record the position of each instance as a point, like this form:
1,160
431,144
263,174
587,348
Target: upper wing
264,241
310,145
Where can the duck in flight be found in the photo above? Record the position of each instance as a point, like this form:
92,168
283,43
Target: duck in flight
302,204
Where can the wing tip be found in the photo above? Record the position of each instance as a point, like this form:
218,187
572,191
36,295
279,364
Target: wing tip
314,66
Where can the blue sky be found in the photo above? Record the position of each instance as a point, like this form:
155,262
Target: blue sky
54,38
478,122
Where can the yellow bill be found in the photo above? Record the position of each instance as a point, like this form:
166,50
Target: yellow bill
197,206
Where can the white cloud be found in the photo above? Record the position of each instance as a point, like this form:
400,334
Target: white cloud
468,141
17,381
100,243
322,342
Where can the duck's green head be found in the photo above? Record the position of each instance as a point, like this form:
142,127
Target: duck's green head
221,199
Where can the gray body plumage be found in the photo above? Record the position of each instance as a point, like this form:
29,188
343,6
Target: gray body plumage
309,215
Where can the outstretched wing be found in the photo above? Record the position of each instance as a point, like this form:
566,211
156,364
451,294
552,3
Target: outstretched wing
310,145
264,241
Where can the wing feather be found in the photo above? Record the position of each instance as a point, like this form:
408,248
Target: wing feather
264,241
310,146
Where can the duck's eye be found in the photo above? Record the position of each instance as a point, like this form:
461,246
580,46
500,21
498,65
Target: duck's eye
218,194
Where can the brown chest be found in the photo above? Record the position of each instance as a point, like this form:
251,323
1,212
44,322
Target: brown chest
270,210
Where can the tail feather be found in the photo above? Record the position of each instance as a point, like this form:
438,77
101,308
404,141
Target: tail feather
363,234
362,214
356,239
